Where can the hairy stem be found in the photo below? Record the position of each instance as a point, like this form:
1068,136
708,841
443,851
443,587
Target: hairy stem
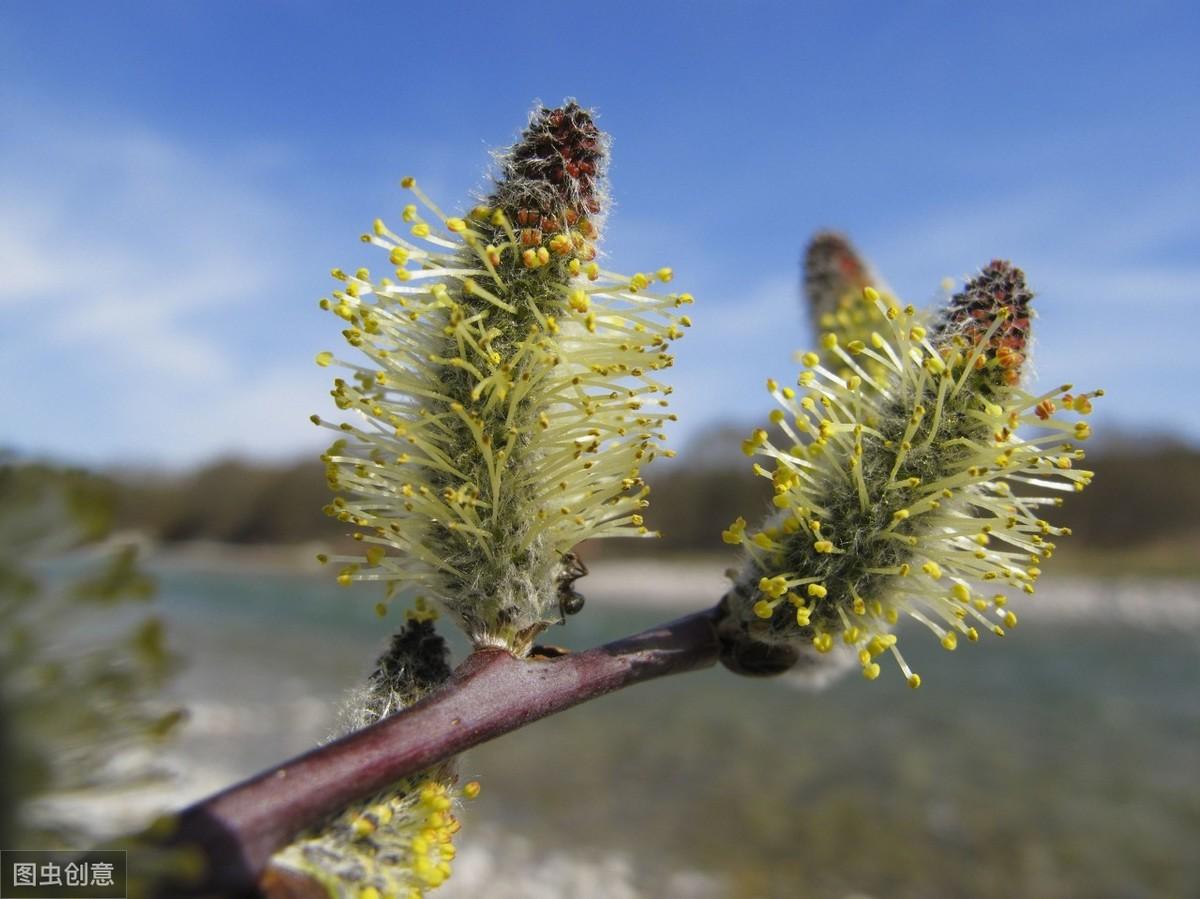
491,693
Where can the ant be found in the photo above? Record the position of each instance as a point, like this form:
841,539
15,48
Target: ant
570,602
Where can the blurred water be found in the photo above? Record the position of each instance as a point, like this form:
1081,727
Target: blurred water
1062,761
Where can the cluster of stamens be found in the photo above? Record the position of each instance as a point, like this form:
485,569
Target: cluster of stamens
902,486
510,394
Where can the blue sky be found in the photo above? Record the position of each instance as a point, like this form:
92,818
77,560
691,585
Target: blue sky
176,179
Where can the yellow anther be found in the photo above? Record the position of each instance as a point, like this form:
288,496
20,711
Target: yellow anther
870,294
950,640
362,827
810,359
914,680
817,590
323,359
763,609
754,441
774,587
408,182
735,532
420,229
933,569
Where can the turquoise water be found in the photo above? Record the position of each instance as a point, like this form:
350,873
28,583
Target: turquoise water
1063,761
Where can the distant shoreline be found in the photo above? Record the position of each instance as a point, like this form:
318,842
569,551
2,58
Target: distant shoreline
679,584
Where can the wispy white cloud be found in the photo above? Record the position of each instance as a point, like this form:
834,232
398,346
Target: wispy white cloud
1115,294
737,342
133,268
1113,302
155,305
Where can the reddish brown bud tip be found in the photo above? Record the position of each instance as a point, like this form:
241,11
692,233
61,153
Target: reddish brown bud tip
554,171
832,268
999,292
834,277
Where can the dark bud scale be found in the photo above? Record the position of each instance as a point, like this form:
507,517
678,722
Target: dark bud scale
550,176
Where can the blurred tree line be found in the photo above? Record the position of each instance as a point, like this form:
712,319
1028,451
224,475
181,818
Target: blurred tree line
1146,492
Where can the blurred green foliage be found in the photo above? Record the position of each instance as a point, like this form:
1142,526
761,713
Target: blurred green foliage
80,660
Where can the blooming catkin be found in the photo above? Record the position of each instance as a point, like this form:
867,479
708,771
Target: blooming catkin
509,392
903,488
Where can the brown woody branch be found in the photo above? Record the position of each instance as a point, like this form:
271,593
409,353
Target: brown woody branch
491,693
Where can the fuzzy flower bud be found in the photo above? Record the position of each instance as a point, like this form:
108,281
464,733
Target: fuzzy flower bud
509,393
835,276
908,495
999,296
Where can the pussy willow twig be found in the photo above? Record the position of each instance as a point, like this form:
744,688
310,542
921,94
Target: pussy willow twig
491,693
